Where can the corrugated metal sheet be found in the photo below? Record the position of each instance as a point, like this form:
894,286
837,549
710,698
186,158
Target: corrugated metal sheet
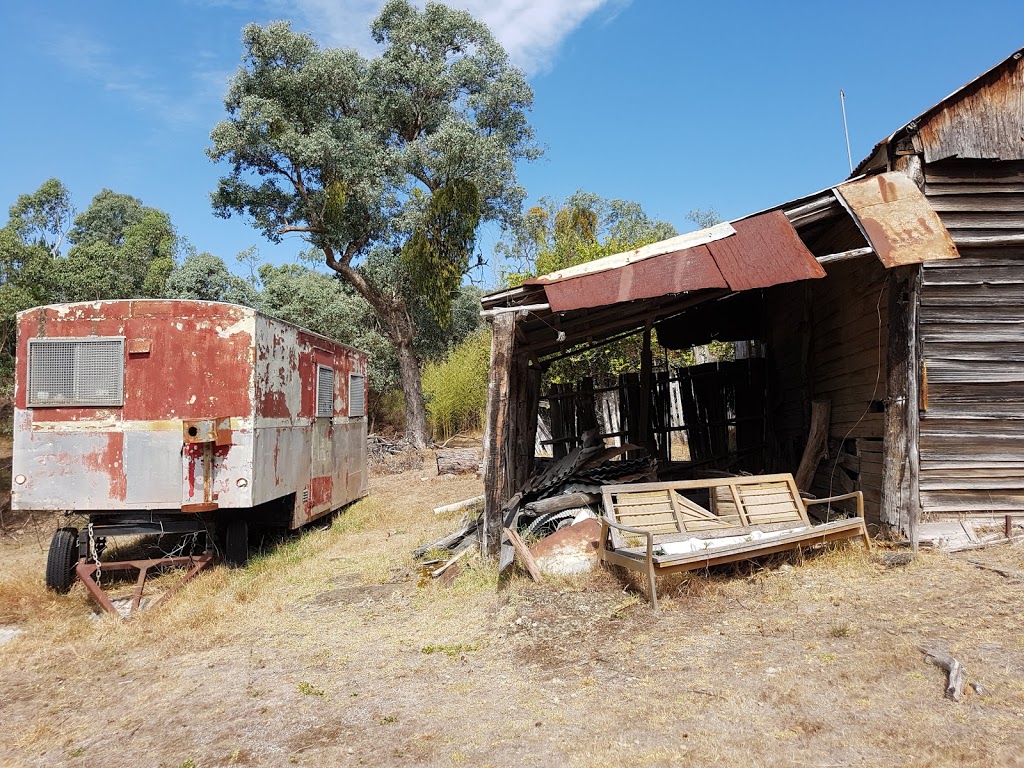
765,250
897,219
660,248
691,269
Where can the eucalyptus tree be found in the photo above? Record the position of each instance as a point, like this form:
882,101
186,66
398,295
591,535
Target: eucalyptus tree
407,152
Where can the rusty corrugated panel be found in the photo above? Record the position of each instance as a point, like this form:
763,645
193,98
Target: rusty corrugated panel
652,250
897,219
692,269
765,251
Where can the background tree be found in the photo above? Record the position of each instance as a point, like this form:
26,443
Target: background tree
205,277
404,154
120,249
557,234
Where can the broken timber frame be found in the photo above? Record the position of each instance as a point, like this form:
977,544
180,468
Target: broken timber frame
510,431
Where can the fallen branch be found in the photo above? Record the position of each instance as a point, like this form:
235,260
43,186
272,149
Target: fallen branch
957,674
452,541
1001,571
458,506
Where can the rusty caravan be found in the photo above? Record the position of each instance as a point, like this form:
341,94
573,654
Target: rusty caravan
194,420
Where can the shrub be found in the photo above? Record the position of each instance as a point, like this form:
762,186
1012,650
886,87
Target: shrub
456,388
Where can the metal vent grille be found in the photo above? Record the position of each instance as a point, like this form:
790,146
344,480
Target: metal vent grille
76,372
324,391
356,395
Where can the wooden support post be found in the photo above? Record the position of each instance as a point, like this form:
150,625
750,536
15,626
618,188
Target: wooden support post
900,505
644,433
523,409
496,430
817,443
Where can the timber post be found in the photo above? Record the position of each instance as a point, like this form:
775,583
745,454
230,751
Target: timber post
496,430
900,505
644,433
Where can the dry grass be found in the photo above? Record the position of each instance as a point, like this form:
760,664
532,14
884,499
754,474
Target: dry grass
327,650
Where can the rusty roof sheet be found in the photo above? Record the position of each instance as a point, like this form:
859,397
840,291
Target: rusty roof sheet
691,269
765,250
660,248
896,218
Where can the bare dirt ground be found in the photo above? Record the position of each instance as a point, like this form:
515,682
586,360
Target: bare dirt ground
328,651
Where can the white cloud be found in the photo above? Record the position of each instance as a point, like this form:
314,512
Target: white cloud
178,104
530,30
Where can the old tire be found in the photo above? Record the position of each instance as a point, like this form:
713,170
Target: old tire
61,560
236,543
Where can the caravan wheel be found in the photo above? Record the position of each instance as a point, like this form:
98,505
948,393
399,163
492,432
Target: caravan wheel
61,561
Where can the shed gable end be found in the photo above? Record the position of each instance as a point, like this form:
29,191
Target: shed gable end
986,123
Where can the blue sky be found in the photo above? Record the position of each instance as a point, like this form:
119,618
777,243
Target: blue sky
676,105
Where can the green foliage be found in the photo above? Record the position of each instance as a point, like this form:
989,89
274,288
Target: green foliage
392,160
704,217
437,252
309,689
44,216
205,277
456,388
451,650
120,249
555,235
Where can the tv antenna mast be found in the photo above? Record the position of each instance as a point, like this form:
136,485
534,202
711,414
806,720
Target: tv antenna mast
849,155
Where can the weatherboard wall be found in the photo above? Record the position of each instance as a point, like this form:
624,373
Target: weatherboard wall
972,331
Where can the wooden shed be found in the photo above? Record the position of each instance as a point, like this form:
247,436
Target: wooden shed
895,297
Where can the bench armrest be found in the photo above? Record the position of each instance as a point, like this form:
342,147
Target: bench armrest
858,495
606,524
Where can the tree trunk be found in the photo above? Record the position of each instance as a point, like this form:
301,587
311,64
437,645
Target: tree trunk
415,413
400,330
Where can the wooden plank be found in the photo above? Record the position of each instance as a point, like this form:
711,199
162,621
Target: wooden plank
524,554
974,371
967,171
981,294
979,350
985,121
962,500
1011,203
817,443
941,481
897,220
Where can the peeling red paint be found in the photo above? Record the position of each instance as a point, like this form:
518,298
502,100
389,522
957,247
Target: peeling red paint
203,361
320,491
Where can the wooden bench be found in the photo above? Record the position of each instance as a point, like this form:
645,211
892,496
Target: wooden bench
649,527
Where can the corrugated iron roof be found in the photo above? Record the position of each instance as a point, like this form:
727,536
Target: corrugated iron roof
765,250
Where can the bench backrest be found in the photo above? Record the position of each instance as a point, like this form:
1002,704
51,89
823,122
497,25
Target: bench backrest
737,505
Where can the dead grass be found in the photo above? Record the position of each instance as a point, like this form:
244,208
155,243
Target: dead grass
316,653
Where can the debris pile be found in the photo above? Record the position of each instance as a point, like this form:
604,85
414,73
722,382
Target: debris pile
559,494
391,455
